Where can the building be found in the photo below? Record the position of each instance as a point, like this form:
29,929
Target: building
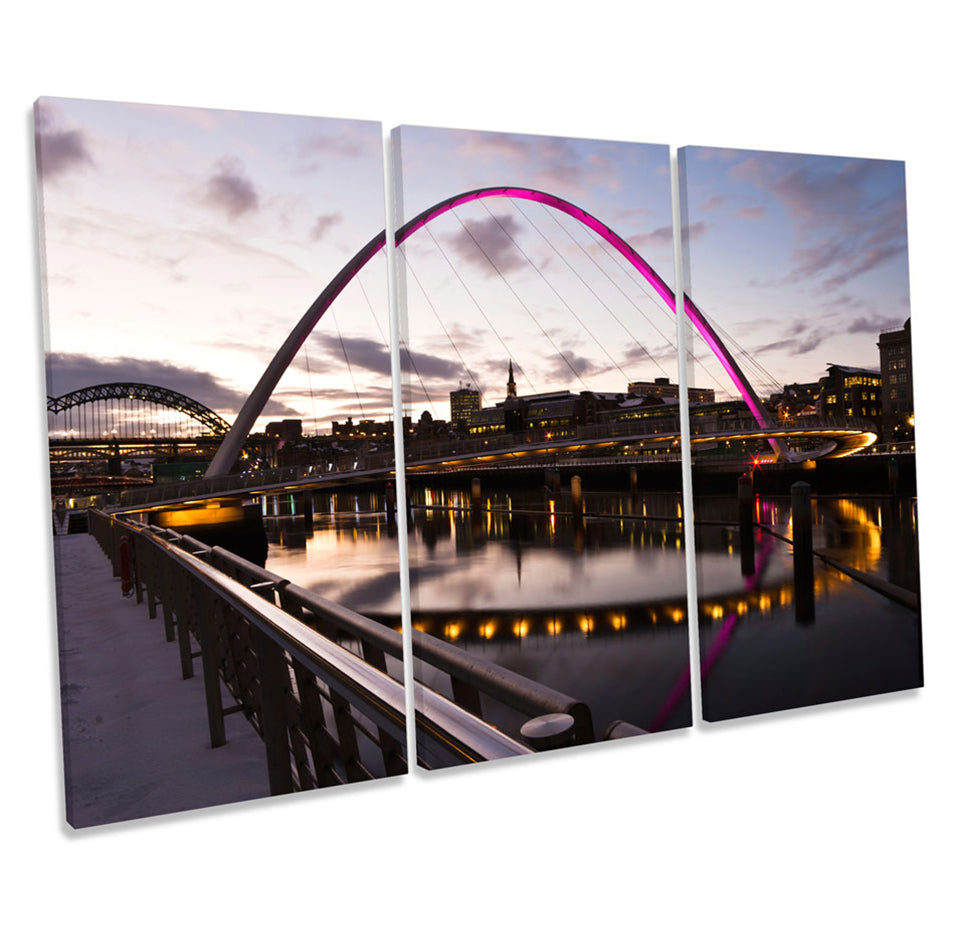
898,407
368,428
465,401
851,393
797,401
662,388
559,414
288,431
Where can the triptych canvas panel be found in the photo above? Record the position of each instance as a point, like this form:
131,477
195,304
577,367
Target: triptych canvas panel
507,445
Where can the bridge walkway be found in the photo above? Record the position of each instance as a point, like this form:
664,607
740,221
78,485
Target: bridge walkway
135,735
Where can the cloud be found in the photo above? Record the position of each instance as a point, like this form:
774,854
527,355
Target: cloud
488,244
794,347
556,162
371,355
348,144
73,371
874,324
230,190
663,236
635,355
814,190
58,151
848,215
752,213
324,223
868,259
581,366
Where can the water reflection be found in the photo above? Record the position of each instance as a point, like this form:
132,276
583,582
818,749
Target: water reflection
857,643
596,606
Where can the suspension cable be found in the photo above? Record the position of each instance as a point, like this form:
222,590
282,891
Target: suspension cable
477,305
540,273
341,340
523,304
447,334
635,280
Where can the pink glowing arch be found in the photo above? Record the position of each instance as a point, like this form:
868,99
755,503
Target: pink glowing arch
231,446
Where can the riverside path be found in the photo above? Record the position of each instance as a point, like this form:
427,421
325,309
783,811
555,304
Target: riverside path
135,734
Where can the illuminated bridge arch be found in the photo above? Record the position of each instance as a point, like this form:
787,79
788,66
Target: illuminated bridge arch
145,392
232,445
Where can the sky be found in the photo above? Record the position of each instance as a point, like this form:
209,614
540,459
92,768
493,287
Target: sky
181,245
504,279
801,259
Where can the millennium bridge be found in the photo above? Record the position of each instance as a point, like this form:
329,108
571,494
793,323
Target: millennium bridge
325,687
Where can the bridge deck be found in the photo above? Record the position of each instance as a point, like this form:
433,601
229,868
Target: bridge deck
135,734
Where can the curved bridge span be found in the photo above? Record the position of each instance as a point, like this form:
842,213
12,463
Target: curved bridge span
143,392
230,449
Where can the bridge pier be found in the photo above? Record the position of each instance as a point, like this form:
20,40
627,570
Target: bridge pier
577,495
225,522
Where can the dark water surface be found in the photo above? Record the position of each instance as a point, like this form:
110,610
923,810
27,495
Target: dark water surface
596,607
759,655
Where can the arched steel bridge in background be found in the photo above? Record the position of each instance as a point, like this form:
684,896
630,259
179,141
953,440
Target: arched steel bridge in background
145,392
232,444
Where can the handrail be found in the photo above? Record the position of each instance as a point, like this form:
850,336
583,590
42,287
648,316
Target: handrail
478,675
380,697
286,676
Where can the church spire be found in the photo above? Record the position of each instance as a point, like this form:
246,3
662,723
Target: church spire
511,385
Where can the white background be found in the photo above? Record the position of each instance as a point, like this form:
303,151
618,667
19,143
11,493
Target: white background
833,819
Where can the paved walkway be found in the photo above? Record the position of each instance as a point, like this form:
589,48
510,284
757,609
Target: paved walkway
135,736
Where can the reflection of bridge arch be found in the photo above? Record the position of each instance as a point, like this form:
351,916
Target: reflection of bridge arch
145,392
231,446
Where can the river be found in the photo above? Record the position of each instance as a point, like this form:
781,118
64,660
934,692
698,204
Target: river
595,606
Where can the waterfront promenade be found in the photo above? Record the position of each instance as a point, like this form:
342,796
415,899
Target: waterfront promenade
136,741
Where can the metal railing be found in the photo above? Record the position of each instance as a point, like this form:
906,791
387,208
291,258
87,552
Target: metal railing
321,684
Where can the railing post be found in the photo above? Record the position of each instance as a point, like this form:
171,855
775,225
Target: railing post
273,676
207,606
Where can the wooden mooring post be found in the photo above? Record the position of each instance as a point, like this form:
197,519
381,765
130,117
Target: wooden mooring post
552,480
577,495
803,580
744,496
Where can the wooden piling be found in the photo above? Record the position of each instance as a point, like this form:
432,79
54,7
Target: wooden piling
744,496
804,599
